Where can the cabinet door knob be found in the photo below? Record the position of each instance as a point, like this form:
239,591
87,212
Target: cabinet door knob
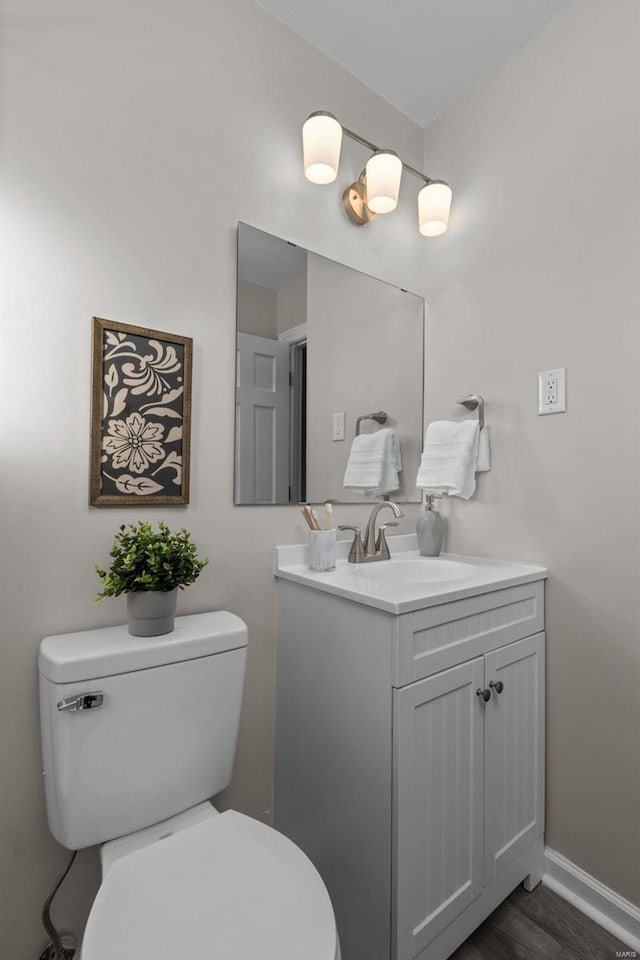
485,695
498,686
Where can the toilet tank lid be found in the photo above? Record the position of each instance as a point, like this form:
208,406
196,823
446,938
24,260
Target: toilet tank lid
107,651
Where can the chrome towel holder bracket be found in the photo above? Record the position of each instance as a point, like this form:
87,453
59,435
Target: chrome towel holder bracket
472,402
380,417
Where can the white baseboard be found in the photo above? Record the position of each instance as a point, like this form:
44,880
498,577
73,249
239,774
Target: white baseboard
604,906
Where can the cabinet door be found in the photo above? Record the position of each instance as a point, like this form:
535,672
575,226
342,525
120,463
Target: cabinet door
514,752
438,798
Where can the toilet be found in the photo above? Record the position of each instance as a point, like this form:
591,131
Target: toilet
137,734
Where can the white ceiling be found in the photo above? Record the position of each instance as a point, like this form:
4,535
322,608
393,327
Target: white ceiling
419,55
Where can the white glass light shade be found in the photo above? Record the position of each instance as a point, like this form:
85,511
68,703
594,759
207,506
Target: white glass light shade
434,204
384,170
321,142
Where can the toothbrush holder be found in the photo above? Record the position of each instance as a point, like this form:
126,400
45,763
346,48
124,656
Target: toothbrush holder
322,550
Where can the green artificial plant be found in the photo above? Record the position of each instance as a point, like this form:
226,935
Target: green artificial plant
146,559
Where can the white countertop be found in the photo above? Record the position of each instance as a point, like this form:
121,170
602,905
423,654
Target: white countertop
407,581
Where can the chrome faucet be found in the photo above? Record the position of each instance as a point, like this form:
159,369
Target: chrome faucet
374,547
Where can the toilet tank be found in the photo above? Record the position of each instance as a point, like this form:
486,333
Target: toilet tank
158,737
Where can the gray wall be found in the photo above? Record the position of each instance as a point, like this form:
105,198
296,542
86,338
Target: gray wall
540,270
257,310
135,136
292,304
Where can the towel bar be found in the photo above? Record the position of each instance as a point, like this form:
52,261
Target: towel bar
380,417
471,402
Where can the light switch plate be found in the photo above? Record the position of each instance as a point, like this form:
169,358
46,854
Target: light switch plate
552,391
338,426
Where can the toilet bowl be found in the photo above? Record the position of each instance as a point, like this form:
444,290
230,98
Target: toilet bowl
211,886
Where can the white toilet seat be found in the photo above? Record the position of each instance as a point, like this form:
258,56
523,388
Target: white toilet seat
230,888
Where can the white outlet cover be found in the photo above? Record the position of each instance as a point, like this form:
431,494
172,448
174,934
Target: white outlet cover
552,391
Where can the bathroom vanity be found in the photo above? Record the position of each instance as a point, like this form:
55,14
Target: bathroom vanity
410,740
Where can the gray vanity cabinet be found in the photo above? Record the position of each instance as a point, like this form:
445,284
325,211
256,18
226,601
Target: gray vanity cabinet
420,801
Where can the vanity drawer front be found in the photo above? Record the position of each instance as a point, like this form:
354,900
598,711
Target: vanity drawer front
437,638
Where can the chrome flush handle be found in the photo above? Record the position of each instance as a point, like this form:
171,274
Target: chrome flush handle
83,701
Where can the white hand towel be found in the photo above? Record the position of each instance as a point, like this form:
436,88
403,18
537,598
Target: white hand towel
484,452
450,457
392,468
374,462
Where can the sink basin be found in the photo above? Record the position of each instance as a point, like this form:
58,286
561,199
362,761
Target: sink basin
407,581
417,570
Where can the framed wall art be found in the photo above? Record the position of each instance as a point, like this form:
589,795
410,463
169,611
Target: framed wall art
141,416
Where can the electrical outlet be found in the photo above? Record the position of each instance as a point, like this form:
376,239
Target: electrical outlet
552,391
338,426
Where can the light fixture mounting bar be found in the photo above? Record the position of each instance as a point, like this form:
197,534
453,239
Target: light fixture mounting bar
374,148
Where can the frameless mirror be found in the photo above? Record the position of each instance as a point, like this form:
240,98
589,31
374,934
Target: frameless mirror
319,347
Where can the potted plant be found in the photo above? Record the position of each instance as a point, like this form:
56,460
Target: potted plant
149,566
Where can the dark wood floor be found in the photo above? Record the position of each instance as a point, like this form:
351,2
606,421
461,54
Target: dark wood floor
538,926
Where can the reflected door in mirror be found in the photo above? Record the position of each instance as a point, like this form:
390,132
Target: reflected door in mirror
262,420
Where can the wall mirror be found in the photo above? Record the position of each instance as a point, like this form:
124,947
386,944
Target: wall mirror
320,346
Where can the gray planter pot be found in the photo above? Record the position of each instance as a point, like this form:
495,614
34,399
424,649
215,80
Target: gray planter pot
151,613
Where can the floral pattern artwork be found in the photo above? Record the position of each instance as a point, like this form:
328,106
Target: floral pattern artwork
141,415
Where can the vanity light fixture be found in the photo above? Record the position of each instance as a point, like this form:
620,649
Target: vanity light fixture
376,189
383,173
321,141
434,204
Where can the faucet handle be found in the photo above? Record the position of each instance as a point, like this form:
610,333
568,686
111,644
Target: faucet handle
382,547
356,554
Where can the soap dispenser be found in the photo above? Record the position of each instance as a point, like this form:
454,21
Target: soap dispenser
430,528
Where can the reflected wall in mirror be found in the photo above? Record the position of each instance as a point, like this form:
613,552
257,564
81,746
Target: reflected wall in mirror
320,345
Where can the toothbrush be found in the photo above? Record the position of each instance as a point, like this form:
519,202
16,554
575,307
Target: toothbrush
316,521
308,519
328,509
311,517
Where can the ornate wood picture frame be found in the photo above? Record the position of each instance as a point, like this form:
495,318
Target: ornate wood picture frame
140,416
